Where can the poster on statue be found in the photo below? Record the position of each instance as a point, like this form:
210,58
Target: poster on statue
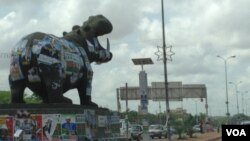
51,124
28,127
37,129
91,123
80,125
68,124
6,127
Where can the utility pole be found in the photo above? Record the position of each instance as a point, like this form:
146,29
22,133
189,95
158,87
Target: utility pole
165,71
118,100
236,93
227,102
127,110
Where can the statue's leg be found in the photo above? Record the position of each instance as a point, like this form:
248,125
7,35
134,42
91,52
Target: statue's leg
17,90
50,75
39,89
84,91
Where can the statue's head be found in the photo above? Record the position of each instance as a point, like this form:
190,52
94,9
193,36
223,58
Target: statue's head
96,26
92,28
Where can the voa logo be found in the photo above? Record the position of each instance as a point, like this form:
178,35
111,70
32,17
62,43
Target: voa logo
236,132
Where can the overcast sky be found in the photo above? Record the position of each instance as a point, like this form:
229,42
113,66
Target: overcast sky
198,30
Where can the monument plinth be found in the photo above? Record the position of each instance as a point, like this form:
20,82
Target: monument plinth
57,121
11,109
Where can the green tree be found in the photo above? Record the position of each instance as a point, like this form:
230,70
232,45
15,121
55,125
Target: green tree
134,117
32,98
189,122
4,97
202,117
178,125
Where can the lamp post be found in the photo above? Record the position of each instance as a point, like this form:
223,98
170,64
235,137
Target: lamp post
126,118
225,62
242,100
160,110
165,71
236,92
247,106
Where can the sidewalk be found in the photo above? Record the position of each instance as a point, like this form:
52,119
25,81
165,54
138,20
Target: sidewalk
209,136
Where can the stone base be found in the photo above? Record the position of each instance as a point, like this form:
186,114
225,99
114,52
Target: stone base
10,109
101,123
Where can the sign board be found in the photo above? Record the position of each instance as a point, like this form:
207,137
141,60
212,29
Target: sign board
194,91
176,90
102,120
158,91
133,93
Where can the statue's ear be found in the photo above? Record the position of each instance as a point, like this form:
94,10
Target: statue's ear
64,33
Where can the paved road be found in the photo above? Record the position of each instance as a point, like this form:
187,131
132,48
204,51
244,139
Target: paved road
147,138
199,137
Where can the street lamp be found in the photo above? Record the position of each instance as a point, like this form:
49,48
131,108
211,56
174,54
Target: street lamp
126,117
165,71
242,100
247,106
236,92
225,62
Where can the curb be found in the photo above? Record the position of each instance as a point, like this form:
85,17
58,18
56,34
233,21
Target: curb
214,139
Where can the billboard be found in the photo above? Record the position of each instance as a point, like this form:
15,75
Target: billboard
158,91
133,93
176,91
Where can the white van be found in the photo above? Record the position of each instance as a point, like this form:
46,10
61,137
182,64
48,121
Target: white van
123,128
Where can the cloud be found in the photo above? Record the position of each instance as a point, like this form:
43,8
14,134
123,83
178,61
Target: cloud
197,30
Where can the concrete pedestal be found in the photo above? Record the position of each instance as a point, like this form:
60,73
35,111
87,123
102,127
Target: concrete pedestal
87,122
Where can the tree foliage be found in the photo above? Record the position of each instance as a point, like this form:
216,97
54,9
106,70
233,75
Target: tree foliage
32,98
4,97
178,125
189,122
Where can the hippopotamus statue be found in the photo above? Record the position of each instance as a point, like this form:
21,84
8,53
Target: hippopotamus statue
49,65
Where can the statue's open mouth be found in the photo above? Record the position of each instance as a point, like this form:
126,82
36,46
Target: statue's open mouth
104,54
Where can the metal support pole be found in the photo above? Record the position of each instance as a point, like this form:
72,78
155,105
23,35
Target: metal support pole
238,111
118,100
242,99
236,93
206,105
227,102
225,62
165,71
195,107
126,110
160,112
